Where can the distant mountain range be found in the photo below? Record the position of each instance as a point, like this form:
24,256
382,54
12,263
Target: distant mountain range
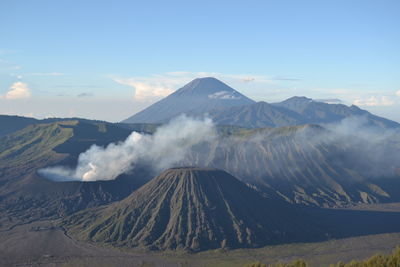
227,106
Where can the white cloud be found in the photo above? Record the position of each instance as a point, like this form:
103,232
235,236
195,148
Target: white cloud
249,79
398,93
374,101
224,95
147,90
18,90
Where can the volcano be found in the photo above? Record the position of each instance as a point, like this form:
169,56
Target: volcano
193,209
197,97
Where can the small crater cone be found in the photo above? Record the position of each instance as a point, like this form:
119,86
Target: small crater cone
192,209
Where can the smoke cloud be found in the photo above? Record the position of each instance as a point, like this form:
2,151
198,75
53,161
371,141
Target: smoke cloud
167,146
370,150
352,147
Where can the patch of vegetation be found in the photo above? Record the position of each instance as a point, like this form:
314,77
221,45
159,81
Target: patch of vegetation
33,146
379,260
392,260
295,263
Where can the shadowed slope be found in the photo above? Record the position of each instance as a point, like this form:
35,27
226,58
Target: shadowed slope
196,209
10,124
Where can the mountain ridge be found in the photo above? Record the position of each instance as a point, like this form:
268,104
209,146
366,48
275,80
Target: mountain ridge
320,112
211,97
294,111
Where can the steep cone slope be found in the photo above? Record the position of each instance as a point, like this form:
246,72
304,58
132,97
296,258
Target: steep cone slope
195,209
197,97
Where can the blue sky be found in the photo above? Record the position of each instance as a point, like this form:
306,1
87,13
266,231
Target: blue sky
74,58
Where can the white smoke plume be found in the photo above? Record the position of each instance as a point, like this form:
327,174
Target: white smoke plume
280,153
352,144
167,146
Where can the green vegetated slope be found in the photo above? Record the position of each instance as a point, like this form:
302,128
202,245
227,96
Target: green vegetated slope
32,148
194,209
37,146
304,164
379,260
26,196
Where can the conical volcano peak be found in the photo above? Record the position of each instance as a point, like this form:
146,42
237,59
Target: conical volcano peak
190,169
206,80
195,98
208,86
200,176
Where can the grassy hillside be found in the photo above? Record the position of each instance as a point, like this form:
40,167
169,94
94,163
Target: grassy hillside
26,196
33,147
